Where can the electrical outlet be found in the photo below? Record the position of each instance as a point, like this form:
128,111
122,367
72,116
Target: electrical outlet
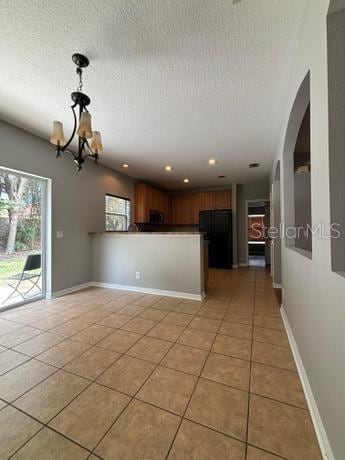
137,275
59,234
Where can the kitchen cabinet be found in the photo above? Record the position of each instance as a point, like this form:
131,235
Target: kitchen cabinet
146,198
208,200
141,204
182,209
185,209
177,209
216,200
223,200
196,205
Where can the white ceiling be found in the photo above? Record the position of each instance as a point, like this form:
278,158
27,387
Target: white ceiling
171,81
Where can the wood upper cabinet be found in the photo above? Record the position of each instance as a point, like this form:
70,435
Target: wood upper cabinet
177,209
208,200
216,200
196,204
141,204
146,198
185,208
223,200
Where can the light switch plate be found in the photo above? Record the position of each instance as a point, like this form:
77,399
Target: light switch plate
59,234
137,275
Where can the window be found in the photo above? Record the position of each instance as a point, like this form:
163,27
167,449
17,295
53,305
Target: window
117,213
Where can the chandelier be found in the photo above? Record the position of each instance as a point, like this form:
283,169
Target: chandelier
82,124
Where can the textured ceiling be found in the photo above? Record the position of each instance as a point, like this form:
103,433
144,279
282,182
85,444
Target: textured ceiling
171,81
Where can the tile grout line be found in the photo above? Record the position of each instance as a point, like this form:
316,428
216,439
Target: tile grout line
144,382
187,326
195,386
46,424
250,369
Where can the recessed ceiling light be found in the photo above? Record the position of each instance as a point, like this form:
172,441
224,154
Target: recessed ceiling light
212,161
254,165
125,165
221,177
186,181
169,168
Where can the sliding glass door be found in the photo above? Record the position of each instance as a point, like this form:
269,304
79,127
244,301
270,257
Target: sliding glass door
22,237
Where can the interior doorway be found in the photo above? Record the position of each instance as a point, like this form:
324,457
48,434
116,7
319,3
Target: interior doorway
23,211
258,245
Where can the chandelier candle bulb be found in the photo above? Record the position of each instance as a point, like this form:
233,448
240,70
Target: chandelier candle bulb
96,144
84,130
57,136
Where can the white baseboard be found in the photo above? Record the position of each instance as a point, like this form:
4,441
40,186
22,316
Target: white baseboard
241,264
277,285
320,431
69,290
162,292
235,266
121,287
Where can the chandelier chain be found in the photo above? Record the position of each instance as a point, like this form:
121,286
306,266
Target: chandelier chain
80,86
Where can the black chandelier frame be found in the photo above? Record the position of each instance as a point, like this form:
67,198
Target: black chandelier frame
81,100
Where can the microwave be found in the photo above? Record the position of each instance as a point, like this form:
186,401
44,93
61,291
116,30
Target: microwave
156,217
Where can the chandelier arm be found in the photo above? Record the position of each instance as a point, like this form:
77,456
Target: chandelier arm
74,129
93,154
90,149
70,151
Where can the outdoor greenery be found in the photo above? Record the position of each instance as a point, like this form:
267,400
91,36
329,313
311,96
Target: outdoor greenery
27,234
20,204
10,267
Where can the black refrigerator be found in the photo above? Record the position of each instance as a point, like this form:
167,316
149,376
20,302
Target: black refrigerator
217,226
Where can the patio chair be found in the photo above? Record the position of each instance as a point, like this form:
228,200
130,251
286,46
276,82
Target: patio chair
33,262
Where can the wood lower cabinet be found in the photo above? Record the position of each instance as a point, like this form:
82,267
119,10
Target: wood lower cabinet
177,209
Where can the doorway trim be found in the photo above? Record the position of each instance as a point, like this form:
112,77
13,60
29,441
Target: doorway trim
246,223
46,240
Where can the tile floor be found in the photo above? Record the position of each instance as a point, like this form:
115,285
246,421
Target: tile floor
121,375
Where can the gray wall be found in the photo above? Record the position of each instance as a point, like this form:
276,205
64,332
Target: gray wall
77,200
166,262
313,294
254,191
336,84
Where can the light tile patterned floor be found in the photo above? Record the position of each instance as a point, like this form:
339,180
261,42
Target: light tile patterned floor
121,375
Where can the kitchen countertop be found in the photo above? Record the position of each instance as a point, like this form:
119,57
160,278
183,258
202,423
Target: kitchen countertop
147,233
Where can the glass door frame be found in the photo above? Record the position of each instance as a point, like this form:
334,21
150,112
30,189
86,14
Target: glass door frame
45,239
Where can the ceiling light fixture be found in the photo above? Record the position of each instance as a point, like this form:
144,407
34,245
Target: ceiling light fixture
186,181
169,168
84,130
125,165
212,161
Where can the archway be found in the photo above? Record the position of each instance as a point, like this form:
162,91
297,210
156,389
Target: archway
297,115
